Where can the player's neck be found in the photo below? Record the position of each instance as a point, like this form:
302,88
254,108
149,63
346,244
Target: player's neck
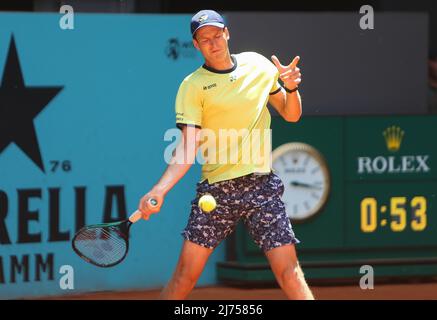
220,65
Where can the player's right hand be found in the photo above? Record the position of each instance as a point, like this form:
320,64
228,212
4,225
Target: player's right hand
146,205
290,75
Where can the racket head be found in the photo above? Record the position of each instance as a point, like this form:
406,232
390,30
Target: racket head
104,245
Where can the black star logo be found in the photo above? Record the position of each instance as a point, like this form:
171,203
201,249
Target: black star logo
19,106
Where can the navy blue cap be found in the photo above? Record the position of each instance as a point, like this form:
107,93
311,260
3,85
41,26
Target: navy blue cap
206,18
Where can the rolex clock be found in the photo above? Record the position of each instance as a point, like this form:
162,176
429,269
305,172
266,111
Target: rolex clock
306,179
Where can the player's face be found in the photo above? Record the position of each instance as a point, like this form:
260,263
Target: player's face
212,42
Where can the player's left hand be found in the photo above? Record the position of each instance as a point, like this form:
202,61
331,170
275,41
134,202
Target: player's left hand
290,75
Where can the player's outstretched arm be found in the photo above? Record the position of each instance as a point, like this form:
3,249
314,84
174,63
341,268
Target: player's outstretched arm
181,161
288,104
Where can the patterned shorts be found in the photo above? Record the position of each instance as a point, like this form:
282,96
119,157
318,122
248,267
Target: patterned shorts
254,198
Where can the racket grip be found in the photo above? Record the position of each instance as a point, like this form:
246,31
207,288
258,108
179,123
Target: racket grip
134,217
137,215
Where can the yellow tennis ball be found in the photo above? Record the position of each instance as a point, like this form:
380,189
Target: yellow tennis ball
207,203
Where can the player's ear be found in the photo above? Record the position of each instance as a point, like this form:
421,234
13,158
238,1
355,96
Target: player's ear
227,33
196,44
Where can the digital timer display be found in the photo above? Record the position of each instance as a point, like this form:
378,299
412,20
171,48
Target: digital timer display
401,213
391,214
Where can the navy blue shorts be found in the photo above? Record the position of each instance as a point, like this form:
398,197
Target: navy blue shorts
254,198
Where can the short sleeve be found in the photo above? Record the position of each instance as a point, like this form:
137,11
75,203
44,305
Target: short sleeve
276,86
188,105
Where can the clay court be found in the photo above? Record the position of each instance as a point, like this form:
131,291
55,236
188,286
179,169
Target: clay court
398,291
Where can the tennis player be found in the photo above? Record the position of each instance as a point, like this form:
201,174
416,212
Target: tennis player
231,92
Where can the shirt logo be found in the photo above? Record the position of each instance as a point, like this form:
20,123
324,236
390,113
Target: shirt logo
209,86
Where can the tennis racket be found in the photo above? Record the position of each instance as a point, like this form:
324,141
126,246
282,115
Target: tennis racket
106,244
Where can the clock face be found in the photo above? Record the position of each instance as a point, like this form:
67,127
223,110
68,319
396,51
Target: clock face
306,179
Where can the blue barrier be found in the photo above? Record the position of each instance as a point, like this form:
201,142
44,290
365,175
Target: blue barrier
93,148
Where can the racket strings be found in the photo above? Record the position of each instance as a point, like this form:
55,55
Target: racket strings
102,245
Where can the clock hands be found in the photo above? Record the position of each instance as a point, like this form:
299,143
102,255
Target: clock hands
305,185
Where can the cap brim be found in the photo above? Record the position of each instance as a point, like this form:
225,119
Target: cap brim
215,24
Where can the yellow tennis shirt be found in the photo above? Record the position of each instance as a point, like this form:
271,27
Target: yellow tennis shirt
231,108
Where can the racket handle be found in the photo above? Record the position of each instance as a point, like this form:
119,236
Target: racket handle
137,215
134,217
